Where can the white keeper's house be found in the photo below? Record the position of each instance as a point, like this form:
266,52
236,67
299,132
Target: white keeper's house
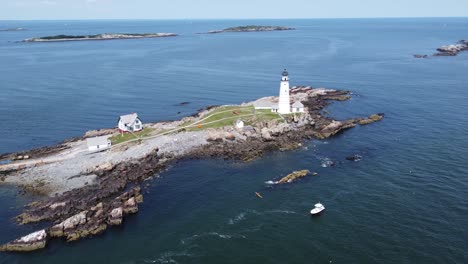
284,102
130,123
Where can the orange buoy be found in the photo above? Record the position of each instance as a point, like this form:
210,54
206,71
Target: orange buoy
259,196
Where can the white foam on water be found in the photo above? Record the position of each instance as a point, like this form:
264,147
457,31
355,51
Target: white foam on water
168,257
236,219
190,239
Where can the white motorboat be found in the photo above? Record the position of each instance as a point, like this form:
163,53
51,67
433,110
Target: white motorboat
317,209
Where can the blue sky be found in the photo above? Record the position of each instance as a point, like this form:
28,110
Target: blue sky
210,9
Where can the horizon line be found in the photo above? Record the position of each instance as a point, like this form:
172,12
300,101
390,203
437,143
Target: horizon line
297,18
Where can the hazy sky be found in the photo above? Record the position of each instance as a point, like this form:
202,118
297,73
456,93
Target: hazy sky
196,9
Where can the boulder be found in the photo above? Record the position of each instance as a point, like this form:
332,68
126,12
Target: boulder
33,241
266,134
354,157
230,136
130,206
115,216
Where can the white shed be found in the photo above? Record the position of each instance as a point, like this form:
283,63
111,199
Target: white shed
239,123
262,104
274,108
297,107
130,123
98,143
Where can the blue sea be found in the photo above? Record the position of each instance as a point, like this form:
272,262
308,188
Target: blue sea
406,201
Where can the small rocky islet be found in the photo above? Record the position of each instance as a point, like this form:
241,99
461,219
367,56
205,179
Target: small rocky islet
13,29
447,50
88,193
250,28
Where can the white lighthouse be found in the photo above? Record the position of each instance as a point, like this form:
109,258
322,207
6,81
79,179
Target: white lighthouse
284,105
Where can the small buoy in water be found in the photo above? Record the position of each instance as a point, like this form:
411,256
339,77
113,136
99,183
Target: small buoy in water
315,174
259,196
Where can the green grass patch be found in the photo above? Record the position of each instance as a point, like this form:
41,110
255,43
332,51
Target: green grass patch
116,139
228,115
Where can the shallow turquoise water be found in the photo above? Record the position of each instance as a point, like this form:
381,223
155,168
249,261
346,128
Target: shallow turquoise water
405,202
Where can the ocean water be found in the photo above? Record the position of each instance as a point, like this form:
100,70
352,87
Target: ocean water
406,201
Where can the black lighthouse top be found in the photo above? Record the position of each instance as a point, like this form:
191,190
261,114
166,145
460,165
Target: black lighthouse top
285,72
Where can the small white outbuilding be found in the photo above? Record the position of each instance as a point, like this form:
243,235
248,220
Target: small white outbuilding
98,143
239,124
130,123
297,107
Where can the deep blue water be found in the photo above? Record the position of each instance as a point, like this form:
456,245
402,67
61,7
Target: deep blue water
406,201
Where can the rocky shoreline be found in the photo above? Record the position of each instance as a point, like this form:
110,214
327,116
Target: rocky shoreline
106,36
98,190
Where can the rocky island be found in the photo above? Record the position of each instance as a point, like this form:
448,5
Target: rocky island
13,29
87,192
447,50
106,36
250,28
452,50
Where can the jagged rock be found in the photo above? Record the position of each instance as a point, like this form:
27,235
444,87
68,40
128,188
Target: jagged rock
371,119
266,134
115,216
354,157
333,128
105,167
57,205
293,176
130,206
452,50
139,198
420,56
33,241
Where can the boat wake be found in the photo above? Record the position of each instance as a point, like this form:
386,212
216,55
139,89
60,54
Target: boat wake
243,215
169,257
215,235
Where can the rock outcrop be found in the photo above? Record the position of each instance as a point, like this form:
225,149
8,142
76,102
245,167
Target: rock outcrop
452,50
371,119
31,242
293,176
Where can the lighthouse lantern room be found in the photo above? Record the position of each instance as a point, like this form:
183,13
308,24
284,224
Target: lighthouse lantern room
284,105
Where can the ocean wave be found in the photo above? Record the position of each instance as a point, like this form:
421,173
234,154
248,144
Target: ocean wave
236,219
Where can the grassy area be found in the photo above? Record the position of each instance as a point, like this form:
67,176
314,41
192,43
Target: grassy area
129,136
228,115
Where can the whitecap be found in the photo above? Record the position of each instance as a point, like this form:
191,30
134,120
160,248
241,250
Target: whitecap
270,182
326,162
236,219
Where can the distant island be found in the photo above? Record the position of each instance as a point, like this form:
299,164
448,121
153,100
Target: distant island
106,36
13,29
448,50
250,28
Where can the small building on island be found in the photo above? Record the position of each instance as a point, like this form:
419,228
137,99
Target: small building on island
98,143
239,124
297,107
130,123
